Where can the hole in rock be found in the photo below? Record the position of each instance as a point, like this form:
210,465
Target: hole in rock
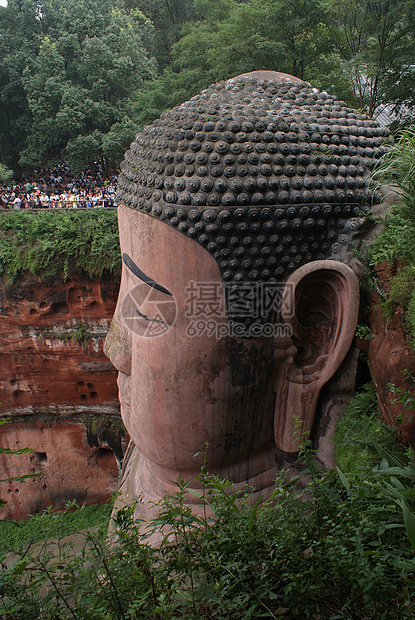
105,455
75,295
39,457
94,394
84,396
94,305
60,308
19,395
90,386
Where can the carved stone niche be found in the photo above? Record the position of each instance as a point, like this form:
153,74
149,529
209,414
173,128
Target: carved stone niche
237,303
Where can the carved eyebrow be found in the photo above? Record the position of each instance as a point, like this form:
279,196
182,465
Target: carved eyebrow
130,264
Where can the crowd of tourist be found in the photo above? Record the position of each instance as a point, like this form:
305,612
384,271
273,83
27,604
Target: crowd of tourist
59,188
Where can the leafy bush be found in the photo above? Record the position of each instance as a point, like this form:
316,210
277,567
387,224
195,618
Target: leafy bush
359,430
6,175
53,241
396,243
397,486
329,550
397,168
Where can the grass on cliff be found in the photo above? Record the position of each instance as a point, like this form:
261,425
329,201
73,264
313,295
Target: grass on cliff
396,243
48,242
16,536
359,430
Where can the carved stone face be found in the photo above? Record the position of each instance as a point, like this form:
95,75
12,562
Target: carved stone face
183,386
189,384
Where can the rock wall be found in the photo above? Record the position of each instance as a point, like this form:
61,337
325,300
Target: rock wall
59,392
391,361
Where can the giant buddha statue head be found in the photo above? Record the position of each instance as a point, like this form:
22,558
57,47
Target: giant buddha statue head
237,214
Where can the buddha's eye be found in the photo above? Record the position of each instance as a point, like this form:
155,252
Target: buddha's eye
135,312
147,309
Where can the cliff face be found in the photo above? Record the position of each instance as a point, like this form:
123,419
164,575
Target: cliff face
59,391
391,361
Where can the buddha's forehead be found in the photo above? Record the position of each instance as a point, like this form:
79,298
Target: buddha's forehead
162,253
264,171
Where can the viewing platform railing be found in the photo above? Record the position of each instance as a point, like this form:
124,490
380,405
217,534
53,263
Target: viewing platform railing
63,208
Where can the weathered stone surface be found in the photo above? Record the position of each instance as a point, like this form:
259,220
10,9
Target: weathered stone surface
52,365
51,336
252,181
66,463
334,397
390,359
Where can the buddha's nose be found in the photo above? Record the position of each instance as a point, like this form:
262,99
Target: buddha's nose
117,346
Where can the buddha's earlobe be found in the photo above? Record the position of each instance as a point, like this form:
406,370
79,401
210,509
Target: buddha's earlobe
323,319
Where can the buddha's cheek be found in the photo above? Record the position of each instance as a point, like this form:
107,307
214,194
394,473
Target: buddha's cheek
217,392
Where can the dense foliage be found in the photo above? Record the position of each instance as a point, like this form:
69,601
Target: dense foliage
359,430
78,78
335,549
396,243
53,241
67,73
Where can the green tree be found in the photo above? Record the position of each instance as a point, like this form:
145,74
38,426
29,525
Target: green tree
20,35
375,43
79,85
362,50
232,37
168,17
6,175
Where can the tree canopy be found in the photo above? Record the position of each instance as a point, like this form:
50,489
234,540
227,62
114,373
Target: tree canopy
84,60
78,78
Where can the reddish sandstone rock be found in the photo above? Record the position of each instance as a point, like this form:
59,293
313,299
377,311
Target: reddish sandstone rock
42,361
52,365
390,359
65,466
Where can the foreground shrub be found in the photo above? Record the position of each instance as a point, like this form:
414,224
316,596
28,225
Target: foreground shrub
359,430
334,549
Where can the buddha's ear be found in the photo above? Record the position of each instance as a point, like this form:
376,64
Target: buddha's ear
322,318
